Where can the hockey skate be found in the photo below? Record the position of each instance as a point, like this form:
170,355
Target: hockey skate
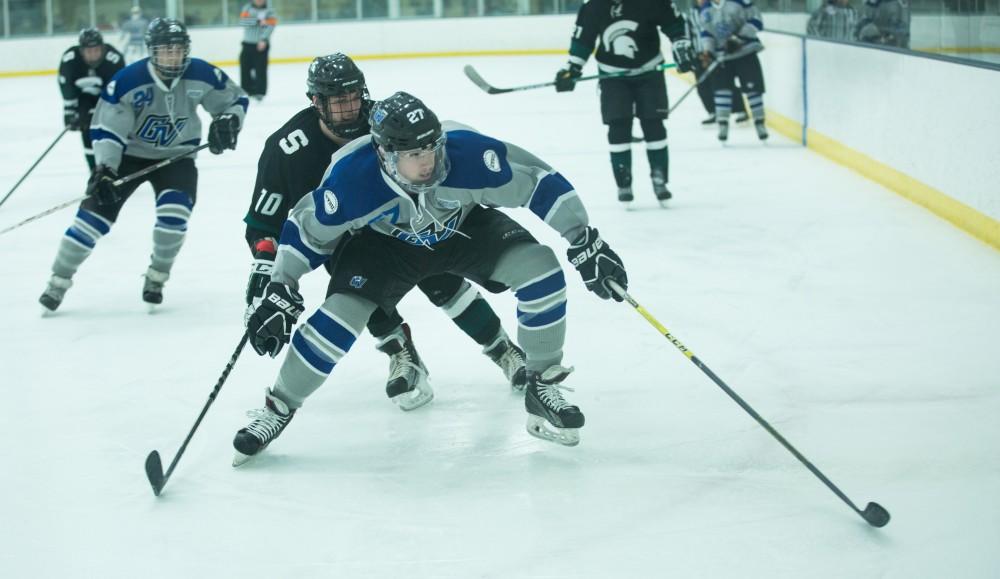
625,194
761,130
510,358
660,188
547,408
152,289
709,121
54,293
742,118
407,384
267,424
723,131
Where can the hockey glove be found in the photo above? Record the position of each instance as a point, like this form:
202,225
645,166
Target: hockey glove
222,133
566,77
684,55
71,118
270,326
733,44
597,264
260,275
102,186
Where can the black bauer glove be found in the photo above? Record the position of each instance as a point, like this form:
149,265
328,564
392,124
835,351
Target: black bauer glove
270,326
101,186
222,133
597,264
260,275
71,119
684,54
566,77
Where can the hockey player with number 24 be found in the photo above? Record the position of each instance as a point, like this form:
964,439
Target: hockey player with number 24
292,165
422,197
147,114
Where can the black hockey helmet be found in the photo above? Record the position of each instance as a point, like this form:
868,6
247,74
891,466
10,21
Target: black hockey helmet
91,37
403,126
161,36
336,75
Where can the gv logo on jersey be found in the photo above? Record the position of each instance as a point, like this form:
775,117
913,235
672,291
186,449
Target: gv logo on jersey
159,131
430,234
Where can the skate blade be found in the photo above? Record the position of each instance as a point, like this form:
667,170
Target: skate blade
539,428
419,396
46,312
664,204
239,459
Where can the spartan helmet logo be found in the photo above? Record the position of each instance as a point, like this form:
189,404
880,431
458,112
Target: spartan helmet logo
616,38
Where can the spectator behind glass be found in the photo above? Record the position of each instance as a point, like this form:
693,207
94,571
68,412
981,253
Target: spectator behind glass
836,20
885,22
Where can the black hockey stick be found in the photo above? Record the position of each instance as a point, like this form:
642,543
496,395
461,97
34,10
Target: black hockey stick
711,68
874,514
479,81
118,183
154,467
35,164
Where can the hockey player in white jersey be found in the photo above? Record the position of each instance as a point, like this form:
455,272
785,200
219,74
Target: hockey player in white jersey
421,199
729,30
133,35
147,113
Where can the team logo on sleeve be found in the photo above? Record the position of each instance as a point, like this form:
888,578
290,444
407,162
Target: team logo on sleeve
492,160
330,203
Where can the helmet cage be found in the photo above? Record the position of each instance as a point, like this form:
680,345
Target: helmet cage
334,76
163,37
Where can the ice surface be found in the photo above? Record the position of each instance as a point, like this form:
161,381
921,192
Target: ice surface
863,327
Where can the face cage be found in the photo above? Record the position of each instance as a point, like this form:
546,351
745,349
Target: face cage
344,129
169,72
441,167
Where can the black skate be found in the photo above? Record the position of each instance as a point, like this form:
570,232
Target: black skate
761,129
546,407
723,131
54,293
510,358
660,187
625,194
152,289
407,384
709,121
268,422
742,118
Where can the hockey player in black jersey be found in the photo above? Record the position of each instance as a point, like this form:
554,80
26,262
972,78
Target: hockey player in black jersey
292,165
85,69
627,40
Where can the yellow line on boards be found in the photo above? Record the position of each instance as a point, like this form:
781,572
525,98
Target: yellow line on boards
966,218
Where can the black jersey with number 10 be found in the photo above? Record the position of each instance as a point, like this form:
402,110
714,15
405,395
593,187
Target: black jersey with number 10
291,166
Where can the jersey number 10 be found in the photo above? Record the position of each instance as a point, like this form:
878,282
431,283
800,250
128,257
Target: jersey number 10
268,202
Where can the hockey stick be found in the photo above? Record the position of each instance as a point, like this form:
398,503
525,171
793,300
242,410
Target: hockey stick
117,183
479,81
154,467
32,167
711,68
704,76
874,514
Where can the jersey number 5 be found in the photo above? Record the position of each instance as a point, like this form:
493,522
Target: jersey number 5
268,202
293,142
